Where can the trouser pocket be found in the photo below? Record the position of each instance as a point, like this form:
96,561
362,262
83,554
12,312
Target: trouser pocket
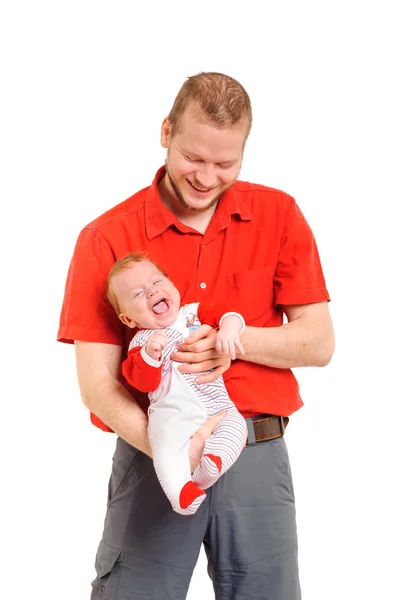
125,472
108,570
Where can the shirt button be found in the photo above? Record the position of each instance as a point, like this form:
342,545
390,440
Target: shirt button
203,285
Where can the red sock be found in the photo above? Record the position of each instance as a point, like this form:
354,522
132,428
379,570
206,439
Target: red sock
189,493
216,460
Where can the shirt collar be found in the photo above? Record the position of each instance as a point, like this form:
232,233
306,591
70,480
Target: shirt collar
158,218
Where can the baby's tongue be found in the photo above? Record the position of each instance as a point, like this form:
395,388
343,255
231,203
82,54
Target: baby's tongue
160,307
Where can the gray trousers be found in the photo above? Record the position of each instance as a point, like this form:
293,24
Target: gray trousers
247,525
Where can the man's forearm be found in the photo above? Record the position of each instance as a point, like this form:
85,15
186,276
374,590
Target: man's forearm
117,408
295,344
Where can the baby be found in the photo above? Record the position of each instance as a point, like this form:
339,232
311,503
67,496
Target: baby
145,299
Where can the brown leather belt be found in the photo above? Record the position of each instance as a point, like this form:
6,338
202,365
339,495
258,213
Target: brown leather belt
265,427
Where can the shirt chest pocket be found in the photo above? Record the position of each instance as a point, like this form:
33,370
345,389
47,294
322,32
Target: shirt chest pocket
251,292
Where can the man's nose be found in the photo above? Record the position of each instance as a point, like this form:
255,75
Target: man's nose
152,292
206,176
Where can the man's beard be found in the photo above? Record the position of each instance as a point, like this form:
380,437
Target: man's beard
182,200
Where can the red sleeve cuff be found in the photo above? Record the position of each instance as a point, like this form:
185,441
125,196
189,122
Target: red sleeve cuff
138,373
302,296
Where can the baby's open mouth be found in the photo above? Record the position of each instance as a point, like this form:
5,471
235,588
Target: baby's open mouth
161,307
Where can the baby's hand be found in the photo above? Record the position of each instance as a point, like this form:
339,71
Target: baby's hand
228,337
155,345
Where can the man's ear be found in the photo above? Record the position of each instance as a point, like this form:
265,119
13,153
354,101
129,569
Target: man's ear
127,321
165,133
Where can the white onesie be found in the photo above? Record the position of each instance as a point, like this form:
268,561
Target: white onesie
178,408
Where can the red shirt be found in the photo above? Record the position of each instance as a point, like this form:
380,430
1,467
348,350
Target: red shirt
257,254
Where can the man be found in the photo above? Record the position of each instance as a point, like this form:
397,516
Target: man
224,240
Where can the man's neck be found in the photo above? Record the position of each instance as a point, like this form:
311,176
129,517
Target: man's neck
197,220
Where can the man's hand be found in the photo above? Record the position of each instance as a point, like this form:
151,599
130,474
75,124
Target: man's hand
228,337
199,438
155,345
198,354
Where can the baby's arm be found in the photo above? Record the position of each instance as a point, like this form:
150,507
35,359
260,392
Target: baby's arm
143,365
155,345
230,324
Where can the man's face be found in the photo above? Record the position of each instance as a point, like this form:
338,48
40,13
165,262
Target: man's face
203,160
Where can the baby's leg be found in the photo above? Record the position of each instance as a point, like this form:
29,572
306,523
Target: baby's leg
221,449
170,448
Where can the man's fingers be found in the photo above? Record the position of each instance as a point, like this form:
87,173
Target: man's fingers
194,357
218,372
208,427
198,439
198,334
204,433
215,419
204,365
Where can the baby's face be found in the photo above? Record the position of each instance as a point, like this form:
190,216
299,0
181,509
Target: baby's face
148,299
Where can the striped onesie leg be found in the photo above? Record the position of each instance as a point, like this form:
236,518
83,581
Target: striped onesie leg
221,449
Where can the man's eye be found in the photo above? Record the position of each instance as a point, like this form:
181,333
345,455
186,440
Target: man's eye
139,293
192,160
158,281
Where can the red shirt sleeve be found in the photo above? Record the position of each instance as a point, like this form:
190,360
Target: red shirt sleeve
298,277
86,313
138,373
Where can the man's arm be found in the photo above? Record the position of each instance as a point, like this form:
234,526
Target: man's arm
307,340
98,367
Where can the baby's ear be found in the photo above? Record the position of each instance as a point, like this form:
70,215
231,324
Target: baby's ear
127,321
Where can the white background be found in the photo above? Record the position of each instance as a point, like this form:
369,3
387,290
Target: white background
85,86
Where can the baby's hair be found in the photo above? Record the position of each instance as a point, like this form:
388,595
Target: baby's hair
121,265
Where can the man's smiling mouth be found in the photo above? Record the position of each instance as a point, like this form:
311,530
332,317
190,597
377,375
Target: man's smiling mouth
199,189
